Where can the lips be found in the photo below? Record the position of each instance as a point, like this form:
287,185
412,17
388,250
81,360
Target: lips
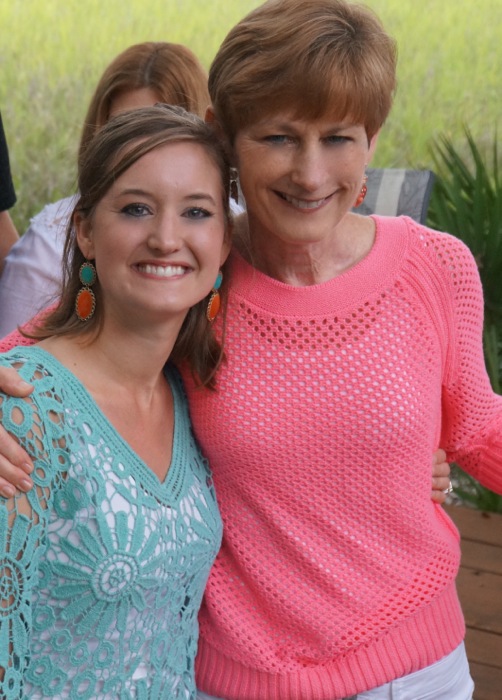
304,203
163,270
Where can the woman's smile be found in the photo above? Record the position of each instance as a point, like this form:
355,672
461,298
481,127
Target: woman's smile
305,205
158,270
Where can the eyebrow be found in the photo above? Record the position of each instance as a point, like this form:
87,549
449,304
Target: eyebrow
194,196
201,195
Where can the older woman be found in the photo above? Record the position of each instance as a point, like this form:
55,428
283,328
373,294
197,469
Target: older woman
353,349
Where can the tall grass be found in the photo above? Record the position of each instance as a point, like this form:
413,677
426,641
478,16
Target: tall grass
52,53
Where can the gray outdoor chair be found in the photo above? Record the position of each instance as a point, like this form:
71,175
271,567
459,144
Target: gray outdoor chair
396,191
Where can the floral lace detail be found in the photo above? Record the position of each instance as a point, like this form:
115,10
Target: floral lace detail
102,567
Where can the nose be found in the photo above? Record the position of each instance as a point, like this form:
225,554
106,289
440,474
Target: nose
164,236
309,168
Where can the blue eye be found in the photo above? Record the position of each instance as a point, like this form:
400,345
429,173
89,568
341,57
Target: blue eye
136,210
197,213
277,139
336,138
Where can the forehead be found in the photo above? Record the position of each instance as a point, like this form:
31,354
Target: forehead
182,164
133,99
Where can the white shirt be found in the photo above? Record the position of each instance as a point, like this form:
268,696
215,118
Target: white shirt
31,277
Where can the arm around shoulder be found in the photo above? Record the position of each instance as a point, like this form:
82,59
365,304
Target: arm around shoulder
472,411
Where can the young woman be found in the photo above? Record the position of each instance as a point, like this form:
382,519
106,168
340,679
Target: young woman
103,564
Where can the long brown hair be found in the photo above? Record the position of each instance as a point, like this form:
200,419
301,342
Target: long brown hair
115,148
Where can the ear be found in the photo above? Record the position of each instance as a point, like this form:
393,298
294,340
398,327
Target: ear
84,237
373,145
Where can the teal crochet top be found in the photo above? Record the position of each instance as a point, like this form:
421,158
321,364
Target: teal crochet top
102,566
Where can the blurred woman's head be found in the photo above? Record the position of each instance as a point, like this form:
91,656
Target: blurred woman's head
144,74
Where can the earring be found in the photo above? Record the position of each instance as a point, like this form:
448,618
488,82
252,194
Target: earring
214,303
234,187
85,303
362,193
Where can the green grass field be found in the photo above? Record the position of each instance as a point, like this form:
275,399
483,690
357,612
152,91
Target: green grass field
52,53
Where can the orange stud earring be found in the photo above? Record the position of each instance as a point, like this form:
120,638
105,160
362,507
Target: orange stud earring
214,303
85,303
362,193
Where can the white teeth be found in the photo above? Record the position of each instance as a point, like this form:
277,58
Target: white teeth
162,270
303,203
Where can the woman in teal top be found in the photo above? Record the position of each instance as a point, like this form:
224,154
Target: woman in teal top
103,564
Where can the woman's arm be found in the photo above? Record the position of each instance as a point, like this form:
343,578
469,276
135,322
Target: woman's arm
16,465
472,411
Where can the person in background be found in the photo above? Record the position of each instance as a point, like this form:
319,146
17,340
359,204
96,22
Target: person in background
103,564
8,232
141,75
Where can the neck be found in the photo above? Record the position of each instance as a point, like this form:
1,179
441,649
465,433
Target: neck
119,359
301,264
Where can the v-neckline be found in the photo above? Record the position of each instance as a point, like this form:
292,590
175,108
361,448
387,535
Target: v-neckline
174,476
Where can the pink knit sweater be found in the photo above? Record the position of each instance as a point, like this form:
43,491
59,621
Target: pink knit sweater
337,572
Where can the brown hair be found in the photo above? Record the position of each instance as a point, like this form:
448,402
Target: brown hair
115,148
172,71
315,57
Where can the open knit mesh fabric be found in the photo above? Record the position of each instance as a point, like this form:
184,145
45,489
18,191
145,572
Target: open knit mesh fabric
330,405
102,566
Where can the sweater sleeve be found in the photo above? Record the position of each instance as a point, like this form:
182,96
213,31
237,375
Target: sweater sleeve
16,338
472,412
23,524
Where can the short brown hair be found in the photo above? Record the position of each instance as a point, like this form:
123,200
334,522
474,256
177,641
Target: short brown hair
113,150
315,57
172,71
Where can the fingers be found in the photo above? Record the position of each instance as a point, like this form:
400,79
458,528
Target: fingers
441,484
15,466
440,488
12,384
440,466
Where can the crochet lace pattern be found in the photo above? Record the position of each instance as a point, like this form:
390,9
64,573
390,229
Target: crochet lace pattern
102,566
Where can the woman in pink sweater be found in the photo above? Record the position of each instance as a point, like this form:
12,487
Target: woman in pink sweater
353,350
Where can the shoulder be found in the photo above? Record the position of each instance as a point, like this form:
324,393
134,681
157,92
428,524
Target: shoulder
443,247
34,420
429,250
39,369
